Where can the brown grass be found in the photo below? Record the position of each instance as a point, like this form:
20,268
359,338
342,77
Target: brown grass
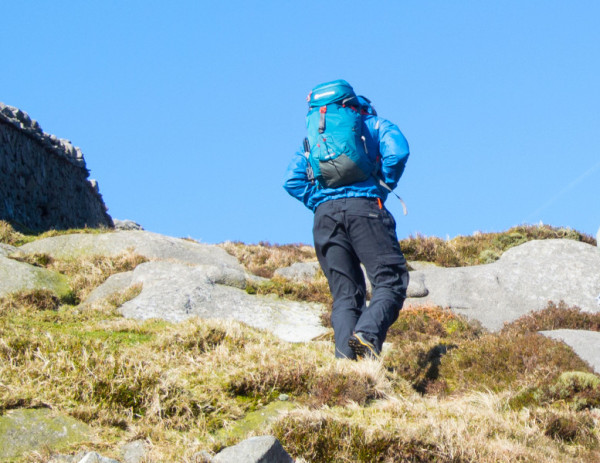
314,291
40,299
263,259
8,234
17,235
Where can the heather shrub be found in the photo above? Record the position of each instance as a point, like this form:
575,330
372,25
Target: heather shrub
555,317
498,362
432,321
576,389
568,427
481,248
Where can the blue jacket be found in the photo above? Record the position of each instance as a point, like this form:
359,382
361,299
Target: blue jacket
383,138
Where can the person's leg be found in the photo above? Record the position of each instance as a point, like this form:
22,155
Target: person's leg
342,269
372,232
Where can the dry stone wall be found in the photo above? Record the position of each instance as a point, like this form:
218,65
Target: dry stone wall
43,179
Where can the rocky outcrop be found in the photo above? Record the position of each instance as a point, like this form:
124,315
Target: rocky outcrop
132,452
6,249
43,179
175,291
261,449
148,244
185,279
127,225
525,278
17,276
89,457
299,271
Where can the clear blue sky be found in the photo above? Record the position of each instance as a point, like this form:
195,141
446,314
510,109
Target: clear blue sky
188,112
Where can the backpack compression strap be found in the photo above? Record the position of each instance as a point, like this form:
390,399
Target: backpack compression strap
322,110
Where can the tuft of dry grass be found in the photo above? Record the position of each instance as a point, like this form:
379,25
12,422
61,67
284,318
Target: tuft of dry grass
8,234
19,235
88,272
39,299
314,291
472,427
263,259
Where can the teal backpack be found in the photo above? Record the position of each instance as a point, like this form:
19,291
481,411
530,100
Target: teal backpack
335,147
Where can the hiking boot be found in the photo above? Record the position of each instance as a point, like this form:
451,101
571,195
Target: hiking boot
363,348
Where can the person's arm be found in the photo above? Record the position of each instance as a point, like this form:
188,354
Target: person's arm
296,180
394,152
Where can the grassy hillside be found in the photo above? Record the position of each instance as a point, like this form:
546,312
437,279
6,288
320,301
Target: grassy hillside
446,390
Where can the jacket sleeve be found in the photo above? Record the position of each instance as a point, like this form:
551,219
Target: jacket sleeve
394,152
296,180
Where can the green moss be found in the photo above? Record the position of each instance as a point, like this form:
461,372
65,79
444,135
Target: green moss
58,283
254,422
45,429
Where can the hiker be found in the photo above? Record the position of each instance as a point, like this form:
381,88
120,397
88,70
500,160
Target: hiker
349,163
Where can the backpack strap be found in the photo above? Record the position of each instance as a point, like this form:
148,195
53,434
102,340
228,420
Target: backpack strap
309,171
322,110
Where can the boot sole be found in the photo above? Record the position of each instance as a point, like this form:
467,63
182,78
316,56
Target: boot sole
362,348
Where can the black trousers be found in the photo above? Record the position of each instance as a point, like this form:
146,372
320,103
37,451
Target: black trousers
348,232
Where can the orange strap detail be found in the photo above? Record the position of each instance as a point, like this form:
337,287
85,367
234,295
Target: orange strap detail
379,203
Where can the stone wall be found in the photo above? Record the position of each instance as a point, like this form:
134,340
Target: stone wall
43,179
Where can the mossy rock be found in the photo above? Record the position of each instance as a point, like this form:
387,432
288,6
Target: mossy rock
18,276
254,422
24,430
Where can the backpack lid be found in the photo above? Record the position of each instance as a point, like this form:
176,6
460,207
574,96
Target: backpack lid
336,91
